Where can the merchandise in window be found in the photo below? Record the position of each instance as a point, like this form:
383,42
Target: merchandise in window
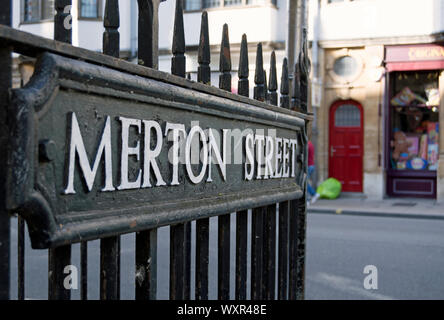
414,114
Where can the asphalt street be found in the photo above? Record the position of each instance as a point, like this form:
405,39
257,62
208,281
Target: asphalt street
408,255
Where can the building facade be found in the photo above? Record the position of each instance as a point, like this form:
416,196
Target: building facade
262,20
378,95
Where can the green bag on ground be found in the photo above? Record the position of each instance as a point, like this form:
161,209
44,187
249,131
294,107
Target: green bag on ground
329,189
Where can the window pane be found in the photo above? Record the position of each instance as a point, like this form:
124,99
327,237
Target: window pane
31,11
88,9
232,2
256,1
211,3
193,4
345,66
47,9
347,115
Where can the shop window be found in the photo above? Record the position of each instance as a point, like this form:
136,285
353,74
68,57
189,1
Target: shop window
414,117
37,10
89,9
347,115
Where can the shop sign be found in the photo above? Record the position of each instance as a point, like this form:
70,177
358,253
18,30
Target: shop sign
95,152
414,53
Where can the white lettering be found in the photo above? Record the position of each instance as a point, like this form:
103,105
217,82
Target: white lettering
126,152
77,146
151,155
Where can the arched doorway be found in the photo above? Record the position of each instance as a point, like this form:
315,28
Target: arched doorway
346,147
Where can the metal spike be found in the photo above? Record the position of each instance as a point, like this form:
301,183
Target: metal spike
259,79
148,29
265,87
272,84
225,61
285,100
178,48
204,56
296,98
243,72
111,22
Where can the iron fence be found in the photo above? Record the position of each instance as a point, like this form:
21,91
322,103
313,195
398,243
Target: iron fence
276,222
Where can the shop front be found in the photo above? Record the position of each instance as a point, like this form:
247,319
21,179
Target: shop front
412,119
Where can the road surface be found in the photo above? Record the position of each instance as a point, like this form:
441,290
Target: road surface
408,255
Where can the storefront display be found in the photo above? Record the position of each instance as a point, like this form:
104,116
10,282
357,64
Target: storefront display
412,113
414,118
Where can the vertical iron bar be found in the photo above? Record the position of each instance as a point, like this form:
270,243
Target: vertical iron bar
111,22
148,33
5,223
63,21
84,270
110,247
109,268
20,258
187,262
258,214
284,100
202,225
58,259
177,236
283,251
146,265
265,87
241,254
146,241
243,86
180,235
269,256
202,260
225,61
242,216
272,85
296,98
293,236
178,49
259,76
204,55
300,249
301,219
284,207
224,220
224,257
270,219
257,241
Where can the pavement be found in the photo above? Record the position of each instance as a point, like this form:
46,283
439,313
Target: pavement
358,204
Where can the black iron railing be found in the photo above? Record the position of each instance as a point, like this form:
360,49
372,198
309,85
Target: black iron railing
271,269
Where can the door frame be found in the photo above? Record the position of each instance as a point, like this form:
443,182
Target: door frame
335,105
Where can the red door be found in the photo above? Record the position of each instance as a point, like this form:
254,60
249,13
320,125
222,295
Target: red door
346,144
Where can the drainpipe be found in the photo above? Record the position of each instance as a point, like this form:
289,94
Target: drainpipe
291,42
316,85
133,31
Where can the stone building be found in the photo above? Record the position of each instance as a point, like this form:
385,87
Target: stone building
377,94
